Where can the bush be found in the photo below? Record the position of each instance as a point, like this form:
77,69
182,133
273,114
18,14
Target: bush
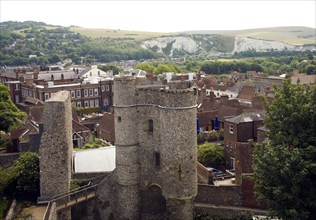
211,155
201,138
212,136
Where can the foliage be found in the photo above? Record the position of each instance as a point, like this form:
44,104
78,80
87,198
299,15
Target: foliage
149,68
201,138
10,115
211,154
27,171
22,177
76,183
93,142
3,206
81,111
52,44
292,116
116,70
285,167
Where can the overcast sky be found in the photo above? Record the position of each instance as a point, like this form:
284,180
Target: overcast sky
164,16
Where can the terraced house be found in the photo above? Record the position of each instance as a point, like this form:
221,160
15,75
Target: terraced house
89,87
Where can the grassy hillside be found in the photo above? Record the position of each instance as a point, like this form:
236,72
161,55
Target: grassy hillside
110,33
291,35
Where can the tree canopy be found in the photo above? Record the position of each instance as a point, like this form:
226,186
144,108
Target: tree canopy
285,166
10,115
22,177
211,154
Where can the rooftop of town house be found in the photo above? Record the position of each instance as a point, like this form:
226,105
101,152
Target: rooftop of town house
303,79
52,85
247,92
246,117
33,101
106,122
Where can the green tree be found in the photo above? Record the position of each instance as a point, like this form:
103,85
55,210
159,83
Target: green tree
146,67
211,154
285,166
23,176
10,115
162,68
27,171
116,70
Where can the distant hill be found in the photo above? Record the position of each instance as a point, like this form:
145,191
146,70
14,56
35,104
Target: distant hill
292,35
29,41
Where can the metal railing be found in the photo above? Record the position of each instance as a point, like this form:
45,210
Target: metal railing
73,197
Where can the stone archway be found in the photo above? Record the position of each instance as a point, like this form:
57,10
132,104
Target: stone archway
154,203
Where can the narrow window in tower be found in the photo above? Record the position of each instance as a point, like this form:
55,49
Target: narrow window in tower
150,125
157,159
119,119
180,171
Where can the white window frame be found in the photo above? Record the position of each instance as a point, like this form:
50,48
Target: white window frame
105,101
86,93
91,103
107,87
90,92
96,92
102,88
78,93
78,104
231,129
86,104
96,102
73,94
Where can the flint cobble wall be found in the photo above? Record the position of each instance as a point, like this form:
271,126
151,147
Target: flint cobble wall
219,195
7,160
56,146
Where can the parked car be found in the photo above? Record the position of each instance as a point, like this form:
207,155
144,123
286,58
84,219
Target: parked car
215,172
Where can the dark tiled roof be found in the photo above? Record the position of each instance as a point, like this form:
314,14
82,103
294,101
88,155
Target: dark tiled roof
227,111
46,76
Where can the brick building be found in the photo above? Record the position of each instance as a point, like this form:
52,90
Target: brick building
238,130
89,87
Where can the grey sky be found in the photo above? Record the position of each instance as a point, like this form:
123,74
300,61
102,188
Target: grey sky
164,16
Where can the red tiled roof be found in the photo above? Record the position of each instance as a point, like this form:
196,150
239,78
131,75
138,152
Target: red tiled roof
205,117
106,123
36,113
247,92
77,127
208,104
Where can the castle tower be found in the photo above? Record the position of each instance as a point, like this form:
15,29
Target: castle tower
156,159
178,149
126,142
56,146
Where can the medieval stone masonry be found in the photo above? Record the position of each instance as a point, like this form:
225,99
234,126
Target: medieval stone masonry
156,152
155,129
56,146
